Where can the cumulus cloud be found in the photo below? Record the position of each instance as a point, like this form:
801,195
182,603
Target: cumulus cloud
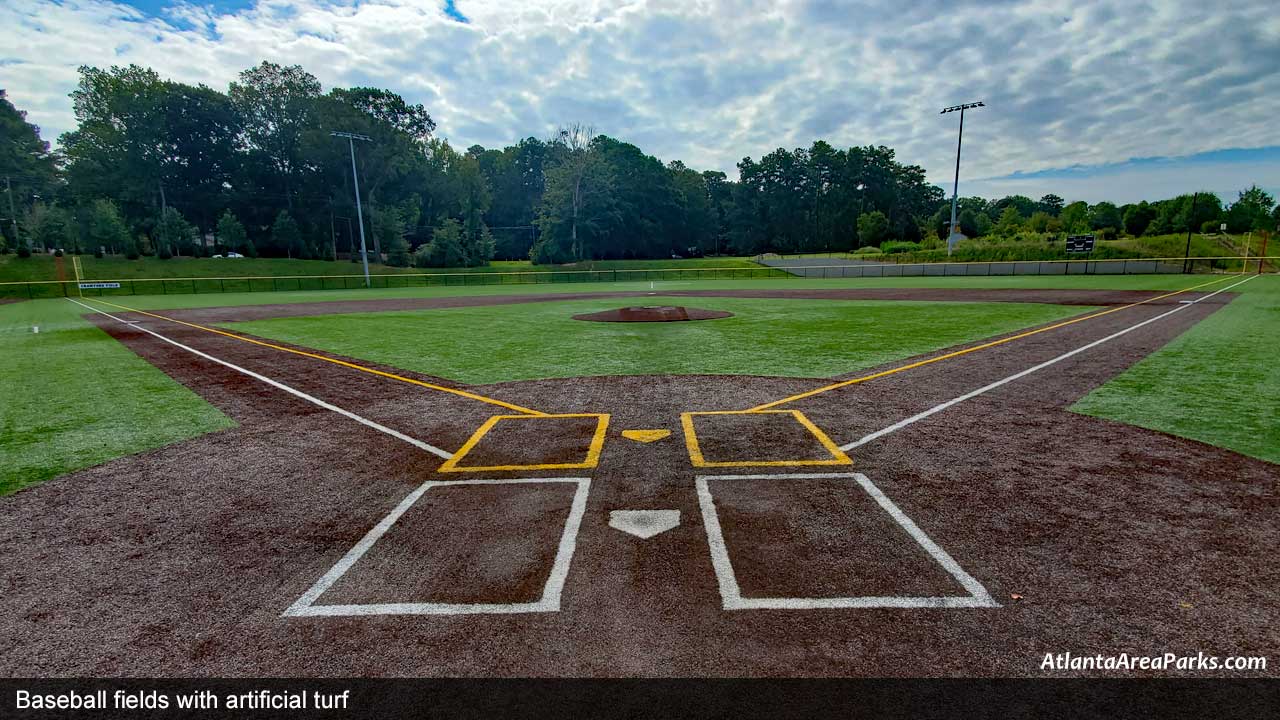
1066,82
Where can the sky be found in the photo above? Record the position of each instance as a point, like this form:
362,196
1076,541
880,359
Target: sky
1089,99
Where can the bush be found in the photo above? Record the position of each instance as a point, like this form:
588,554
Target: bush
873,228
24,250
895,246
57,253
869,250
445,248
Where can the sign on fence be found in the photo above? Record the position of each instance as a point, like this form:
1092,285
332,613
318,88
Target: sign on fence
1079,243
99,285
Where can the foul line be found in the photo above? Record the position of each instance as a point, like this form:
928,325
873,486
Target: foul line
343,363
992,386
966,351
275,383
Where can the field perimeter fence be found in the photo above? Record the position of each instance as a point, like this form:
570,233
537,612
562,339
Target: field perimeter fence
776,269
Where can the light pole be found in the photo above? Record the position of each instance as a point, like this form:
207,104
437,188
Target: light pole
952,238
13,212
1191,218
862,199
355,180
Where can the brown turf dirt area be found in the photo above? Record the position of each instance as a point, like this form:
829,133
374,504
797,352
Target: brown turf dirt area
1044,531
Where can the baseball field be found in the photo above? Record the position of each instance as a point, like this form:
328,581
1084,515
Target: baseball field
947,476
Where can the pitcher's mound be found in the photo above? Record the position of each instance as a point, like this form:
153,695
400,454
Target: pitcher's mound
653,313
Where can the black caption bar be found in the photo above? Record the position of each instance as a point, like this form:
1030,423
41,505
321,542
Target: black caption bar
485,698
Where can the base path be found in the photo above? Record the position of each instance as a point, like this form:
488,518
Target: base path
972,542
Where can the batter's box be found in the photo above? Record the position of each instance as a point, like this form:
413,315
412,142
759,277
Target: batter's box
532,442
494,546
745,438
812,542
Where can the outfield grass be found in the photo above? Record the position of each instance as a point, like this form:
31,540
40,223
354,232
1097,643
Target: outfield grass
41,267
1218,383
1069,282
793,338
73,397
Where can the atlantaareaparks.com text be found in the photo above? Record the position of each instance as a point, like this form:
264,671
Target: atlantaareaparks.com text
1167,661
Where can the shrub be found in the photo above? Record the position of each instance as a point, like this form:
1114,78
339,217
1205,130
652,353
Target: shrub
445,248
873,228
24,250
895,246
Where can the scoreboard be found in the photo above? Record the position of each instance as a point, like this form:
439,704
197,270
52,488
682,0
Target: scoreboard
1080,243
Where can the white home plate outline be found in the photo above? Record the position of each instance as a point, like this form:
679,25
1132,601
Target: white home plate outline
550,602
731,595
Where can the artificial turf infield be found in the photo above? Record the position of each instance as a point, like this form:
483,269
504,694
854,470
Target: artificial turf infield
72,402
1091,535
766,336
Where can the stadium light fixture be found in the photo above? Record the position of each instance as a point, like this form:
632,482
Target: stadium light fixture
355,180
955,189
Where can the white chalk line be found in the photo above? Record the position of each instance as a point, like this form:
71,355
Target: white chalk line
305,605
731,594
992,386
277,384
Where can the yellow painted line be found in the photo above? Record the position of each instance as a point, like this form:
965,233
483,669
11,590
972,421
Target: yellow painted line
343,363
646,436
695,451
976,348
593,450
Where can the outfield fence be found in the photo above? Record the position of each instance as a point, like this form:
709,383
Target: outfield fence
780,269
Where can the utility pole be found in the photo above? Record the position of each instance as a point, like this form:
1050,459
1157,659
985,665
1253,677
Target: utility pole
12,212
355,179
952,238
1191,218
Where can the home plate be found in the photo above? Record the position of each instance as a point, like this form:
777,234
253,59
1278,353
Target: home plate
644,523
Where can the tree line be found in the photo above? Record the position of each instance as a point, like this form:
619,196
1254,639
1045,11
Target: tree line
157,167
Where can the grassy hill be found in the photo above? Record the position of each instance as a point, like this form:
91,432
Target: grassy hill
44,267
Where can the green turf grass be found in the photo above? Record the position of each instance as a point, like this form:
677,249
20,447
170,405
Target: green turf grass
799,338
1218,383
1069,282
72,397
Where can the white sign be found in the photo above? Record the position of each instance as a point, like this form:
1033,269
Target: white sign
94,286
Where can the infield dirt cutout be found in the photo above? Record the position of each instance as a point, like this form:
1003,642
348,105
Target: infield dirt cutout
302,543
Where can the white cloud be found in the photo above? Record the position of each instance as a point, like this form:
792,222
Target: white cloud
708,82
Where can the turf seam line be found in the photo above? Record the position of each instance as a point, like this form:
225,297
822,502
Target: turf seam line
966,351
277,384
1035,368
335,361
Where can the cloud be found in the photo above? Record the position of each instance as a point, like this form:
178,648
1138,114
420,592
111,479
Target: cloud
1222,172
709,81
